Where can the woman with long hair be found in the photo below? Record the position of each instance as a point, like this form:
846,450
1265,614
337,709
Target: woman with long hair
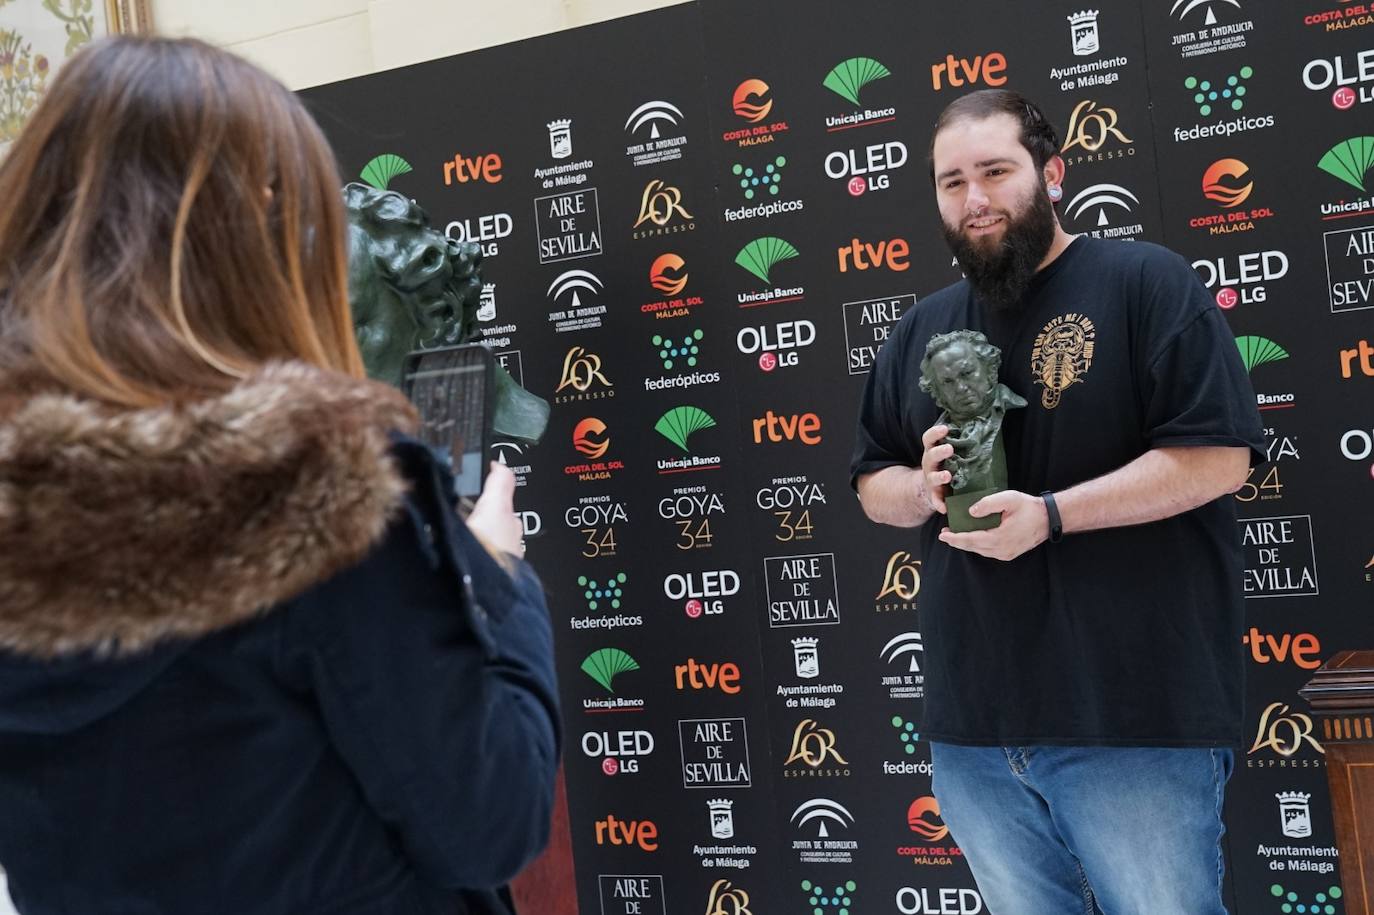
250,659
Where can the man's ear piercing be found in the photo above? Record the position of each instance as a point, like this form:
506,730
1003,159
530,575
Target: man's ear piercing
1056,192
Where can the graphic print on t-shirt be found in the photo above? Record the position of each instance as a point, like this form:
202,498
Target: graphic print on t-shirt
1062,355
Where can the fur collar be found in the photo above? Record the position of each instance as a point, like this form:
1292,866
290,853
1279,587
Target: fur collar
123,528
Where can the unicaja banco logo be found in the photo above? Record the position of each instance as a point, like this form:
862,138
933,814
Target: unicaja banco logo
1226,94
1259,350
850,76
678,424
1349,161
759,256
605,664
382,169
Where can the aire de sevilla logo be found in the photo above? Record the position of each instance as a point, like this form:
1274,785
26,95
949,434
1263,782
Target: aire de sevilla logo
752,102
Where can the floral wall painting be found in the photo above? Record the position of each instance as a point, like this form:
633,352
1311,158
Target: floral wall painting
36,36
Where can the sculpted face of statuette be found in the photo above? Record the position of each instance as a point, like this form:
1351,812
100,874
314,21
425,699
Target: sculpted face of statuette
959,371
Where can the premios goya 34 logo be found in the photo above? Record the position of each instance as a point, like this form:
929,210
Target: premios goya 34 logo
595,518
758,258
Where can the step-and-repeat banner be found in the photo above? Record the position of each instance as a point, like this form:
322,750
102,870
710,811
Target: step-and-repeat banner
700,225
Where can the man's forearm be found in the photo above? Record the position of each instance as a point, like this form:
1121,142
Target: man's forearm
896,496
1159,484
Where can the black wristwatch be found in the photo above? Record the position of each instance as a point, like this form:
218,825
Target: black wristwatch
1056,525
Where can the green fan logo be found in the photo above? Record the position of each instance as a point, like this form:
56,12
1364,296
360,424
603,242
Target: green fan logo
1350,161
1259,350
678,424
852,75
759,256
382,169
604,664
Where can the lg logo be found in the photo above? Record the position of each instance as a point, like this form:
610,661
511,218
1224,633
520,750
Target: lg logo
776,345
943,901
869,172
703,590
617,751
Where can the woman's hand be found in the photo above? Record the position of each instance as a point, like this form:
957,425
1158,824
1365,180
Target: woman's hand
493,519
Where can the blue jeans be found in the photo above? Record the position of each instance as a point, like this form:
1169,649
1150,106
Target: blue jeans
1053,830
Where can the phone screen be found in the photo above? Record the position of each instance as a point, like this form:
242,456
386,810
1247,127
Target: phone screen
451,388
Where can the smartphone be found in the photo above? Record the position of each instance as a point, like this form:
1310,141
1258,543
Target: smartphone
453,388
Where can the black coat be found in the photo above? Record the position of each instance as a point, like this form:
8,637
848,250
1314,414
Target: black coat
366,723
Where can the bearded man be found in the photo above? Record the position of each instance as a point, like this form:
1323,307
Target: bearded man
1083,660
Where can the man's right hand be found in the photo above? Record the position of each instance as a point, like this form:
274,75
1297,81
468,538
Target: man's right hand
936,452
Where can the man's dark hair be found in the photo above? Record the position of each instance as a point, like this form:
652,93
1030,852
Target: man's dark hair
1038,135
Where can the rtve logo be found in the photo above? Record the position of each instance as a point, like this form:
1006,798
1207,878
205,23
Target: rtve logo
612,831
461,169
1364,353
958,71
891,254
1302,649
804,427
695,675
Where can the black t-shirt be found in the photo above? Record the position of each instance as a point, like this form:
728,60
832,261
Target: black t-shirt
1126,636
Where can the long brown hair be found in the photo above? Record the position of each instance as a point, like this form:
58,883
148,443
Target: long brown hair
171,221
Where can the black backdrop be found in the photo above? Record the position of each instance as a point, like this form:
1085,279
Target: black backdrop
724,226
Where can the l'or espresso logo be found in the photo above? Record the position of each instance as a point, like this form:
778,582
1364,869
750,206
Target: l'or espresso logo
903,653
483,168
614,831
1226,183
1109,207
1286,734
1349,162
813,753
1280,560
1241,279
759,258
752,103
1347,79
595,518
867,325
655,134
1208,34
727,899
569,225
1093,135
632,894
486,231
1086,41
715,753
1303,650
847,79
571,310
662,211
677,426
691,509
582,378
591,437
801,590
1350,268
952,72
1341,16
701,593
790,500
868,168
618,751
817,819
605,666
901,583
776,345
668,276
923,820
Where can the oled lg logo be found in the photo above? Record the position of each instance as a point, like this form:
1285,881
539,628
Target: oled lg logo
777,345
702,593
605,666
938,901
867,169
486,231
1241,279
1347,81
1358,445
619,751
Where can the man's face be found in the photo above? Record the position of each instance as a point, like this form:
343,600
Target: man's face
993,205
963,384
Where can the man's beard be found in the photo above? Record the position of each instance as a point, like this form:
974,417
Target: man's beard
1000,272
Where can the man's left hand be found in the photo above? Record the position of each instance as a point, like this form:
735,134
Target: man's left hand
1025,525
